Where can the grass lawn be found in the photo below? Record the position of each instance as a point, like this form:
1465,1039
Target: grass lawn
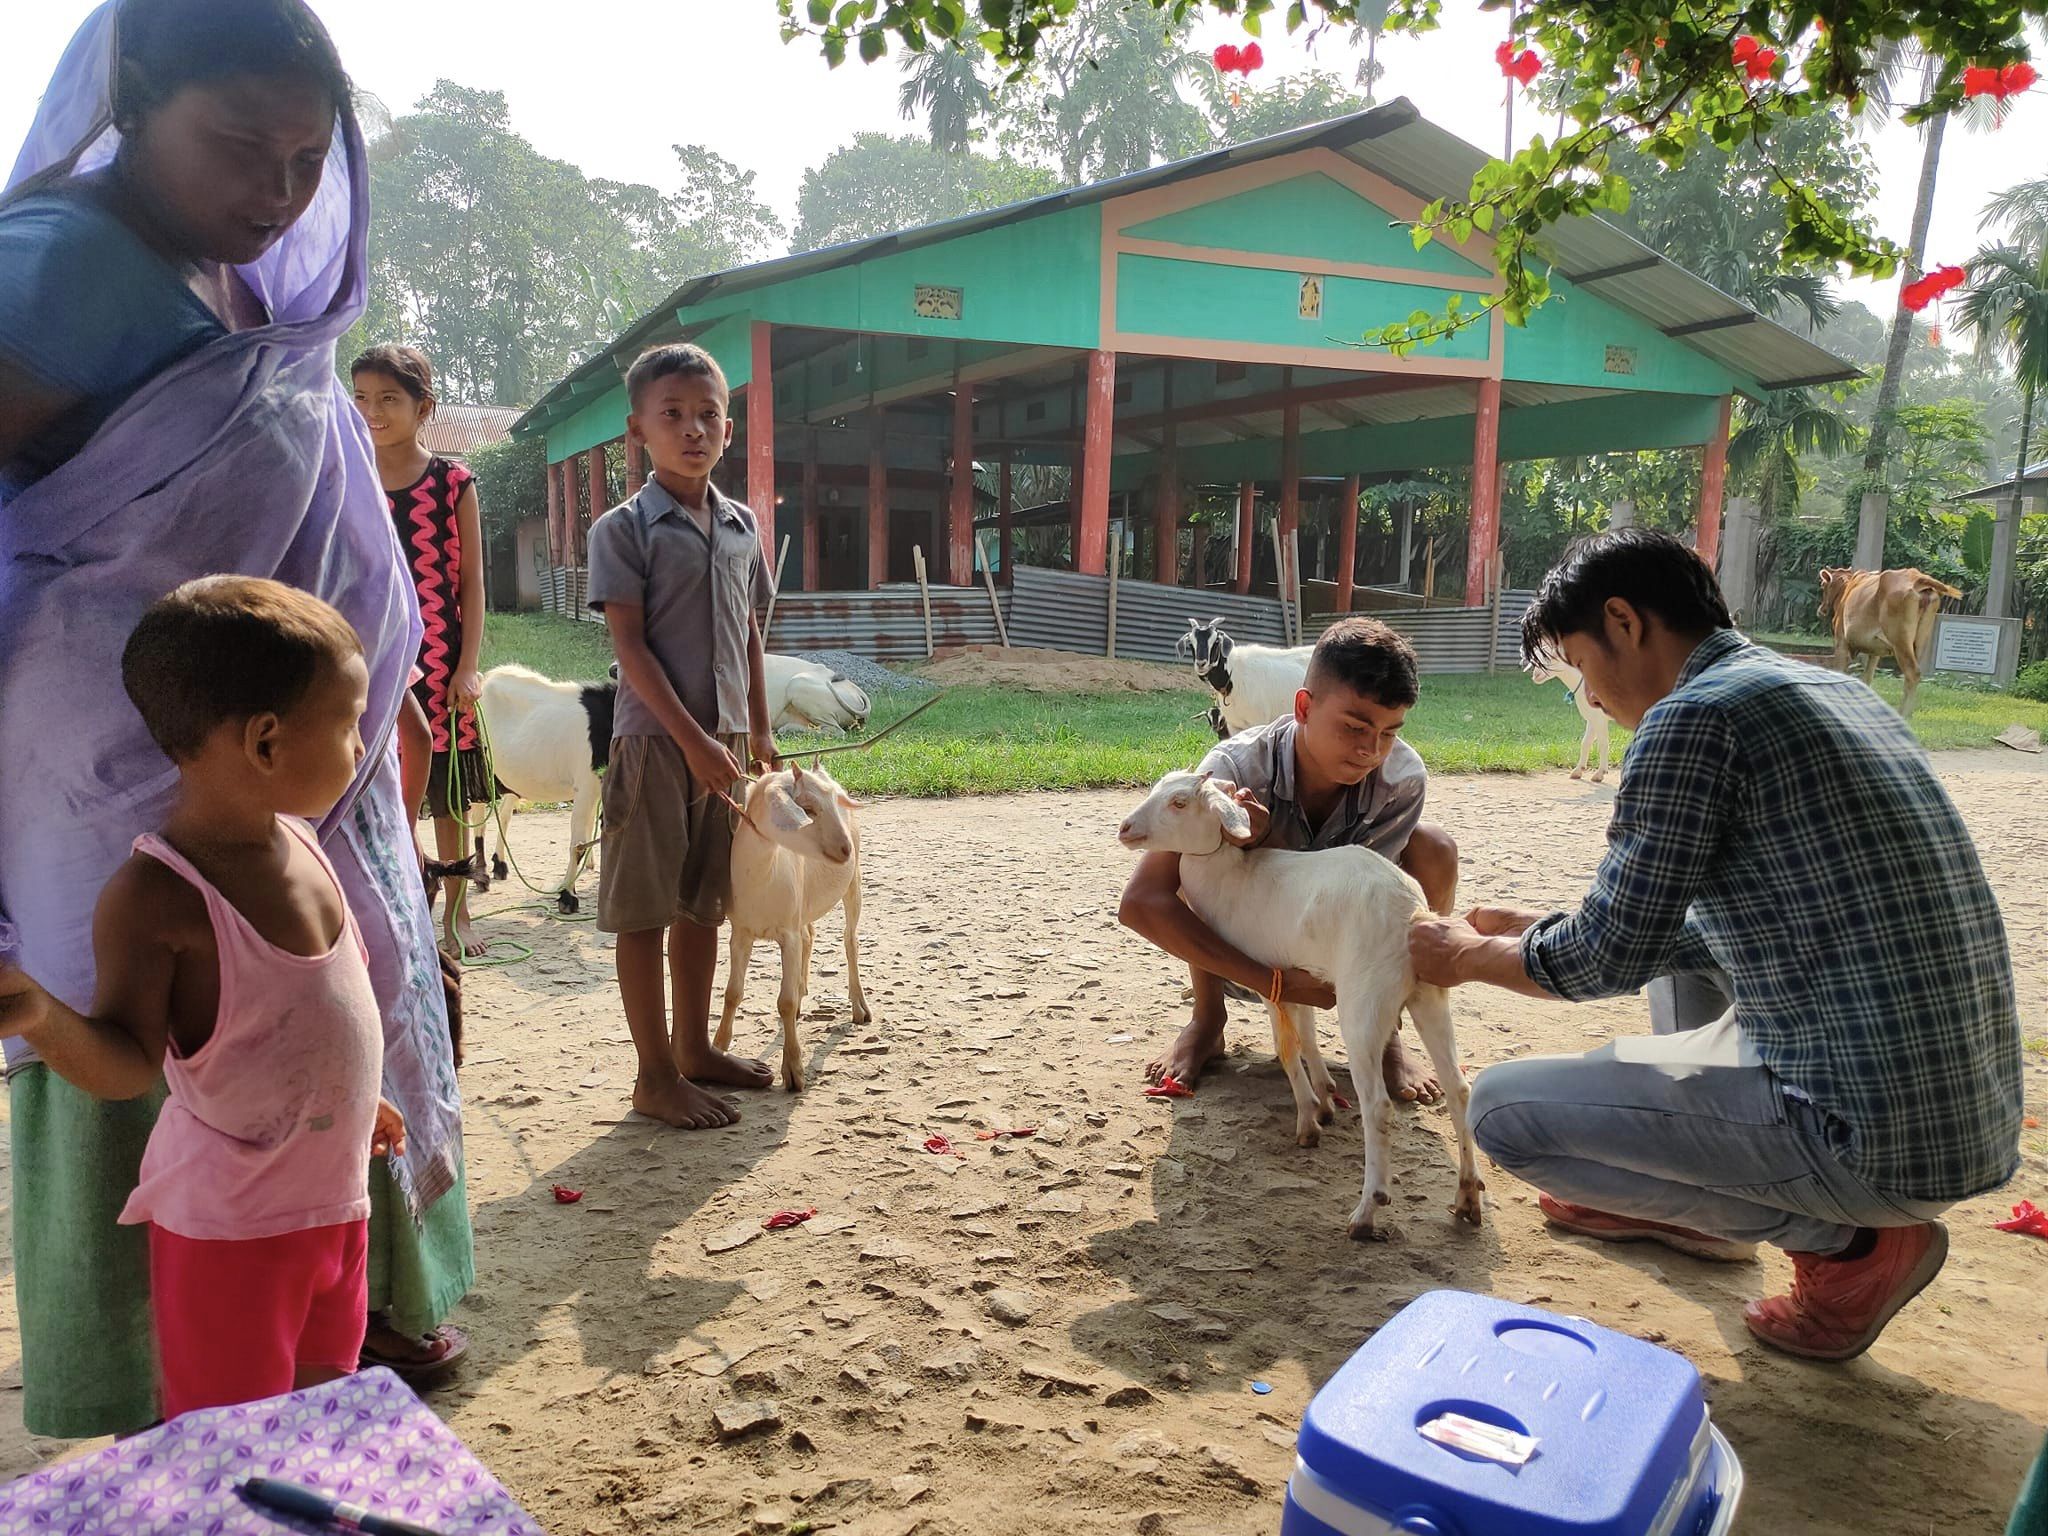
993,740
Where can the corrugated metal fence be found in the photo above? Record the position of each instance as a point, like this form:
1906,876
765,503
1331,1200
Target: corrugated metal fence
1066,611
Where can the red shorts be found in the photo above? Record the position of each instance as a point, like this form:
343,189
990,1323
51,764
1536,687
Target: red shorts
236,1321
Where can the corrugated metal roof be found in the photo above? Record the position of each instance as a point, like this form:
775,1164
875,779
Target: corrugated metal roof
1395,142
456,431
2035,479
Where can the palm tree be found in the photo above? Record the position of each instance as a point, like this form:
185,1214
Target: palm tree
944,83
2006,309
1763,453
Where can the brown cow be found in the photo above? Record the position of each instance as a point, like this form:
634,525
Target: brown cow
1883,613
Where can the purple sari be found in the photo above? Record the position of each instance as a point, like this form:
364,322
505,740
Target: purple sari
245,457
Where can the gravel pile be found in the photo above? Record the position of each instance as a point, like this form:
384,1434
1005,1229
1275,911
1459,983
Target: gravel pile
871,675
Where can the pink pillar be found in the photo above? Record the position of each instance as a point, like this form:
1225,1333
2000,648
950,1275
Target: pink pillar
1347,542
761,439
878,508
1091,549
1166,514
960,491
1713,480
1484,540
1247,521
570,516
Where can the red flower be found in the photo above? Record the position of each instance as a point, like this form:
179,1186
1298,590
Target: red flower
1949,277
1916,295
1253,57
1980,80
1989,80
2017,78
1745,49
1756,60
1518,64
1929,286
1227,58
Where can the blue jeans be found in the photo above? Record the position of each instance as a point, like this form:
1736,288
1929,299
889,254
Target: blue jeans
1685,1126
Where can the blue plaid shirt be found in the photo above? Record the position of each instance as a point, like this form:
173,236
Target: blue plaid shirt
1781,823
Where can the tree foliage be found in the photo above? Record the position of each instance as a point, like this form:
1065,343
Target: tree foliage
1633,75
506,266
882,182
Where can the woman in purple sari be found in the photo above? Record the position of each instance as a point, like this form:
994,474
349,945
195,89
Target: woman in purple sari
181,245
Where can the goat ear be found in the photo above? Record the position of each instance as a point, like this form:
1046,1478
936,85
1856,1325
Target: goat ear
850,803
784,814
1235,819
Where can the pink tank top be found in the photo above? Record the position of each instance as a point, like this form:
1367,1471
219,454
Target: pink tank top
267,1128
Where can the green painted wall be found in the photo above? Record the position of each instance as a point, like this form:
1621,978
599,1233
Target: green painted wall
603,419
1311,216
1161,297
1033,283
1566,342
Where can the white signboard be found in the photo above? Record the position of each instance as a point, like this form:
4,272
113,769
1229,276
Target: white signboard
1965,646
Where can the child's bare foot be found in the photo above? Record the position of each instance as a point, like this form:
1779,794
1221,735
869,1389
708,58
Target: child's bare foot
473,948
1409,1081
1199,1044
681,1103
706,1064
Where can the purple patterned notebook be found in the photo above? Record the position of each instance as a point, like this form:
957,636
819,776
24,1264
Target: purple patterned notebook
365,1439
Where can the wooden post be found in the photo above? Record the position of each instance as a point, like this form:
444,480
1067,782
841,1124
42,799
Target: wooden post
813,577
924,594
1485,536
1091,550
1166,515
761,436
1294,564
554,516
570,515
878,505
1493,629
1407,541
1429,573
1280,577
1290,490
1005,533
994,602
1198,556
774,590
1247,521
1713,480
595,478
960,497
1109,649
1347,542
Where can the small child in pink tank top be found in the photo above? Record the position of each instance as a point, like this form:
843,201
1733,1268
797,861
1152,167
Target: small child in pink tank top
229,964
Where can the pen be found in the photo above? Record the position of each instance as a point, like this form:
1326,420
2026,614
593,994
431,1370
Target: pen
290,1499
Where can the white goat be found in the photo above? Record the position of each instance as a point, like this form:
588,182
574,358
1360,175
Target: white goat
549,741
795,856
1597,722
810,696
1253,684
1342,914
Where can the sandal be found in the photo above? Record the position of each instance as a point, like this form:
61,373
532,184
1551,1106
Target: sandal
437,1354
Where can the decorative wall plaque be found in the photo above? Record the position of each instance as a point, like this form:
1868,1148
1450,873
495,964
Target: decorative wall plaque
935,303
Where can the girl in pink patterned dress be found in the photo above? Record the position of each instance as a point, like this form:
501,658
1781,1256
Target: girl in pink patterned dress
434,505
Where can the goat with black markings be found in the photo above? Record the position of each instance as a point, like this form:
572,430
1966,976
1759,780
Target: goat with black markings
1253,684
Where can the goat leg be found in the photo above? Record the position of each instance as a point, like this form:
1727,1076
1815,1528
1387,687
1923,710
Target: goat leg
861,1015
1430,1008
740,951
786,1004
1368,1024
1319,1079
1287,1046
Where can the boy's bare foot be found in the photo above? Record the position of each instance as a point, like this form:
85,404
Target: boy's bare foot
707,1064
1198,1045
681,1103
473,948
1409,1080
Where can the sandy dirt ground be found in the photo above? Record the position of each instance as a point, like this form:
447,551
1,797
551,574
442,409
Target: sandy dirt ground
1062,1333
1035,671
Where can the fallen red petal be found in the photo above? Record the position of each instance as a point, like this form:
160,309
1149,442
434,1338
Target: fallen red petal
940,1147
781,1221
1169,1087
2032,1123
566,1196
1340,1101
2027,1218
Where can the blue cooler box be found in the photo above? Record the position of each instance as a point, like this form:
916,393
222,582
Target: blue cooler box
1623,1444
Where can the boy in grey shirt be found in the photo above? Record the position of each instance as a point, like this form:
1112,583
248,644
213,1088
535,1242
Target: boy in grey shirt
678,573
1333,774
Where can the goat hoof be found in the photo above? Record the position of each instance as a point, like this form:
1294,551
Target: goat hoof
1577,774
793,1081
1327,1115
1598,777
566,901
499,869
861,1015
1362,1230
1468,1206
1308,1138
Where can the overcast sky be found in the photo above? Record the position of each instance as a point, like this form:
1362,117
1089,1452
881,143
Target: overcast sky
610,85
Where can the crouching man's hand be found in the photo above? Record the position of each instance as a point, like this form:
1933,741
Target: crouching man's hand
1440,947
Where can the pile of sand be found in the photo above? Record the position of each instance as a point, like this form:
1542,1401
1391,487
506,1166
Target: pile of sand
1038,671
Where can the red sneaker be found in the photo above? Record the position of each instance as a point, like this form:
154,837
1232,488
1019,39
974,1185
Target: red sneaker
1838,1307
1587,1222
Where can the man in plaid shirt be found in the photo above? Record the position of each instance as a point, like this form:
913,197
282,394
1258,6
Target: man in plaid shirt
1837,1056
